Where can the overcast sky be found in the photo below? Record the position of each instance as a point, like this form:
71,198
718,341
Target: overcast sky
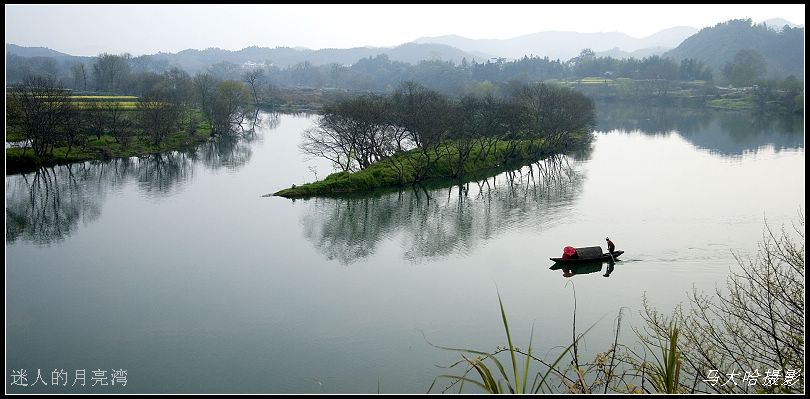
147,29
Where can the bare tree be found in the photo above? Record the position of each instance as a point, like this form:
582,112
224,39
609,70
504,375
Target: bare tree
41,108
110,72
417,110
353,133
229,107
481,123
79,76
95,119
158,116
118,123
254,79
205,85
74,131
560,116
325,143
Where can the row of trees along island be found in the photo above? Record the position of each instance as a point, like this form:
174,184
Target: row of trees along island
416,134
136,114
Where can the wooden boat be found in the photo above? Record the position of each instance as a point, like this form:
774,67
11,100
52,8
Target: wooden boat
588,254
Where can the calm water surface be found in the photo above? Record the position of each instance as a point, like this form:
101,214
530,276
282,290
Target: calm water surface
176,269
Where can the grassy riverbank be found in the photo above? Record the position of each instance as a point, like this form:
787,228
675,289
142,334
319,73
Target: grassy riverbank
417,166
20,160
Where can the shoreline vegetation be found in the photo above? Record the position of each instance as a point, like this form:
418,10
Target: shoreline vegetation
19,160
22,160
95,136
49,125
767,97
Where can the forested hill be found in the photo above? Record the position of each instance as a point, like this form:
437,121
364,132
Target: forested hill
30,52
715,46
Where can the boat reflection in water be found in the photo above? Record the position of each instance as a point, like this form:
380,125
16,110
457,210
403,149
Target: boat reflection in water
572,269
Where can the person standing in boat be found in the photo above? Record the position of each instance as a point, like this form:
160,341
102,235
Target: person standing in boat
611,246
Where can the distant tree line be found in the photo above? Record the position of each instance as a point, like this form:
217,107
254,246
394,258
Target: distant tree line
652,67
108,73
308,85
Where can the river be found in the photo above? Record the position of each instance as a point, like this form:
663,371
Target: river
176,269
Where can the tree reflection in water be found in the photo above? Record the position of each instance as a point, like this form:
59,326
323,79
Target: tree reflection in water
435,222
268,120
726,133
47,205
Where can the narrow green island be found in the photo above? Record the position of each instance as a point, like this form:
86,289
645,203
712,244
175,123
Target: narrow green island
404,169
417,135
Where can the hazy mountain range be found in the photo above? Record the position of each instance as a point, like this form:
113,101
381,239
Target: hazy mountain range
23,51
564,45
638,54
715,46
554,44
194,60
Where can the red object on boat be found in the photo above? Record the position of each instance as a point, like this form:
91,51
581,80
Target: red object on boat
568,252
